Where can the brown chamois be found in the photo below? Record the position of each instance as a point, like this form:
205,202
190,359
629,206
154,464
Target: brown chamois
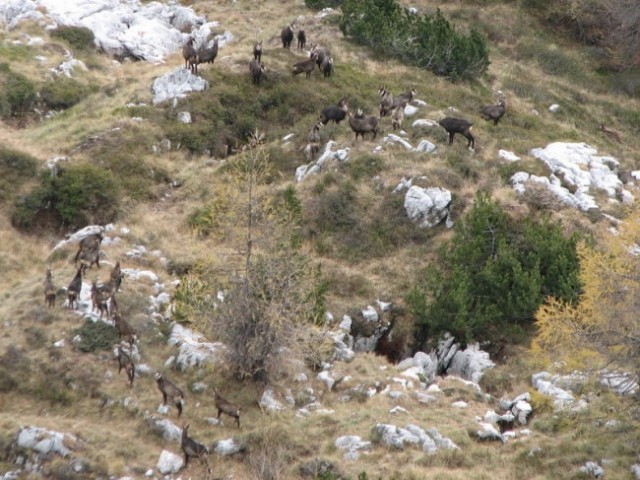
256,68
397,116
226,407
319,54
304,66
327,67
458,125
125,330
49,290
73,290
189,54
337,113
207,54
386,101
614,134
361,124
302,39
170,392
314,138
89,250
116,276
99,299
191,448
493,112
126,362
286,35
257,51
404,98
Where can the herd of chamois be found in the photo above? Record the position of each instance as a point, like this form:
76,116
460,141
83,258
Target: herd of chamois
320,57
103,299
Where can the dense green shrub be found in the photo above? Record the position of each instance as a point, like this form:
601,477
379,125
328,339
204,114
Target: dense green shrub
320,4
17,93
63,93
78,195
80,38
492,276
15,168
427,42
96,336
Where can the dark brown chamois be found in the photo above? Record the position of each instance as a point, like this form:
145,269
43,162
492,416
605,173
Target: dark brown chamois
319,54
74,289
304,66
226,407
207,54
189,54
286,35
337,113
116,276
89,250
404,98
314,138
361,124
100,298
327,67
458,125
493,112
397,116
302,39
49,290
125,330
257,51
126,362
191,448
386,101
170,392
256,69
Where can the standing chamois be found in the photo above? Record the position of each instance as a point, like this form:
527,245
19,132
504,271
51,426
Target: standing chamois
74,288
361,124
257,51
337,113
126,362
89,251
170,392
49,291
189,54
256,69
302,39
191,448
314,139
286,35
226,407
458,125
493,112
207,54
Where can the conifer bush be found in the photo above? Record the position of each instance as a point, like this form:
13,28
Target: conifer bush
79,38
17,93
63,93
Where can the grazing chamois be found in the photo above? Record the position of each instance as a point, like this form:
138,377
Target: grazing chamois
337,113
397,116
286,35
302,39
207,54
256,68
458,125
226,407
190,447
304,66
170,392
74,288
49,290
614,134
189,54
361,124
314,138
493,112
327,67
89,250
257,51
126,362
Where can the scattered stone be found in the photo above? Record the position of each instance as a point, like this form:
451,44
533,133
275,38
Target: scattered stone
460,404
427,207
269,402
351,444
169,463
592,469
487,433
228,446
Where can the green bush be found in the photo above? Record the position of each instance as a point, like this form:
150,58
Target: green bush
320,4
492,276
78,195
17,93
63,93
427,42
80,38
15,168
96,336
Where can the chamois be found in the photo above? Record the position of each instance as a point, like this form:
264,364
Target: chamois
189,54
306,66
257,51
125,330
458,125
49,290
361,124
89,248
99,298
226,407
88,258
614,134
302,39
397,116
404,98
493,112
74,288
386,101
256,68
314,138
337,113
190,447
207,54
126,362
286,35
116,277
170,392
319,54
327,67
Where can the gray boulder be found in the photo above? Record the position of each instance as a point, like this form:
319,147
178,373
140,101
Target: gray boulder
470,363
169,463
427,207
351,444
45,442
592,469
228,446
176,84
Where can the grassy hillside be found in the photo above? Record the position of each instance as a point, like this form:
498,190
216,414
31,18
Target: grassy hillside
354,226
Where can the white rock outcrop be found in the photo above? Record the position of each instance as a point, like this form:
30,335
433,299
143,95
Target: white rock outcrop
169,462
176,84
427,207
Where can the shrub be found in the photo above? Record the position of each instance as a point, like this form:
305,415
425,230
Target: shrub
320,4
427,42
80,38
493,275
63,93
96,336
17,93
15,168
78,195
